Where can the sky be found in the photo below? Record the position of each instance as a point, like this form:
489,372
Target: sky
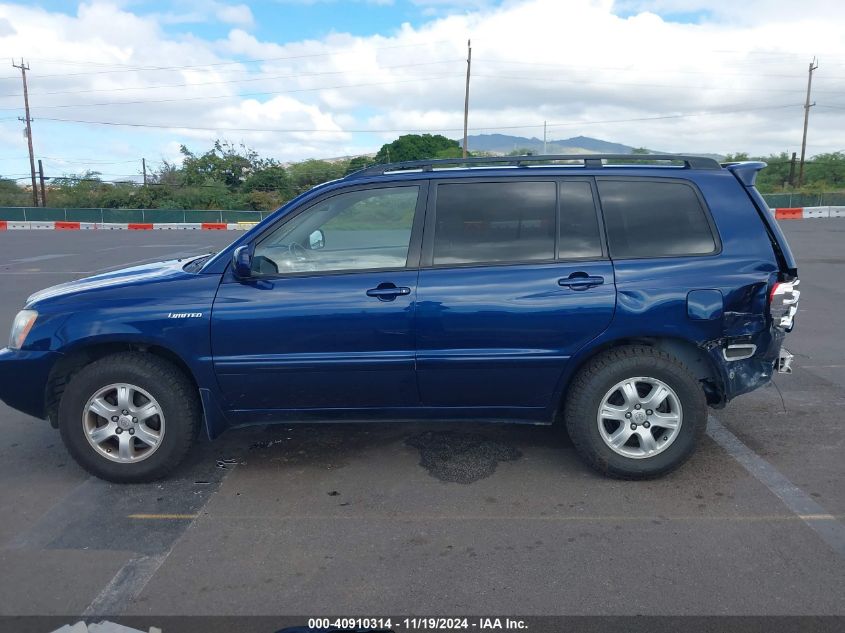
115,81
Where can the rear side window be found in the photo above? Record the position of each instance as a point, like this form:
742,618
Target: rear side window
495,222
654,219
579,227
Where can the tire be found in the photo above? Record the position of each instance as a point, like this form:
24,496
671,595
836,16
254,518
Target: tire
147,449
594,391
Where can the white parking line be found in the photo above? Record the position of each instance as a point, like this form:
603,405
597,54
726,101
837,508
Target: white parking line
799,502
126,584
129,581
40,258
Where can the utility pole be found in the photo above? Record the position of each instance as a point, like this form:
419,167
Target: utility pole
466,95
28,121
807,105
43,189
544,138
144,168
792,170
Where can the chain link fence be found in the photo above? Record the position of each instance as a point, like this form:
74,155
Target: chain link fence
52,214
791,200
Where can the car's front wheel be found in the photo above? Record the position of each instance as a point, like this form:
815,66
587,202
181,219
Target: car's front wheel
129,417
635,412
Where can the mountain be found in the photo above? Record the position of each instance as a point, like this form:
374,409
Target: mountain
503,144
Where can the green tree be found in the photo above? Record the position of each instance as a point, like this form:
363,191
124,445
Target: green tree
776,174
78,190
11,195
826,171
269,176
224,163
418,147
312,172
359,162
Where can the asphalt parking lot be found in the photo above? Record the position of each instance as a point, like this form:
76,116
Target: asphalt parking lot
436,518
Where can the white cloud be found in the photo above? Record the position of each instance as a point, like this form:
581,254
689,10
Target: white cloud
584,66
200,11
748,12
311,2
238,14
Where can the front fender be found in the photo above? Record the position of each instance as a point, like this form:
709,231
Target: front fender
160,323
172,314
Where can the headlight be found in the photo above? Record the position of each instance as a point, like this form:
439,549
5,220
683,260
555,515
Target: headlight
20,328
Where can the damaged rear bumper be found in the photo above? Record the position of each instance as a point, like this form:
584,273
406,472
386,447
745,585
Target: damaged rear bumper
784,364
741,374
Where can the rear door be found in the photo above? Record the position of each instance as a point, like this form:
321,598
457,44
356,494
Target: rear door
514,280
326,320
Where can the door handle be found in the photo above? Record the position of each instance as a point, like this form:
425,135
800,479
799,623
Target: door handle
388,292
580,281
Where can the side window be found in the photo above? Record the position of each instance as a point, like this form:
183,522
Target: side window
357,230
579,227
654,219
494,222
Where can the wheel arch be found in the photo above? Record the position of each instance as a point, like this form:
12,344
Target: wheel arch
692,355
80,356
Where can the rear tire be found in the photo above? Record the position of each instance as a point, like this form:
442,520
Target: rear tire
635,412
129,417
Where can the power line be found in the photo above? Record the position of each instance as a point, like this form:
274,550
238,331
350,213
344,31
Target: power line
121,68
773,57
360,85
646,85
229,81
90,161
81,161
440,129
236,95
482,75
631,68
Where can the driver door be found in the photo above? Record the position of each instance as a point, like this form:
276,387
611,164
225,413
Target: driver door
326,320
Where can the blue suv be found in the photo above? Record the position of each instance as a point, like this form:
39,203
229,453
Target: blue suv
619,295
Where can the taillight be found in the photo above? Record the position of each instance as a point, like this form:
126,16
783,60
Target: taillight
783,303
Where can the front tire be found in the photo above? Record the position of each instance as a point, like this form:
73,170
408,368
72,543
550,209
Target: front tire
635,412
129,417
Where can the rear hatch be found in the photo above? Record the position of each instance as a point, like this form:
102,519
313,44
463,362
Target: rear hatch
746,173
783,290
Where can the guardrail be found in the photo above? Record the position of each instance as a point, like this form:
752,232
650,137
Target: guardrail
808,213
61,225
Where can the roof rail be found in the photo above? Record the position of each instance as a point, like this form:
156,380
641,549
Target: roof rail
589,160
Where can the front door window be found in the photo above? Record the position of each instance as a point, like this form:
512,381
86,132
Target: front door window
368,229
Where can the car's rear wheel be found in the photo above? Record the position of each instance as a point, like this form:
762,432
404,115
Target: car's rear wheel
129,417
635,412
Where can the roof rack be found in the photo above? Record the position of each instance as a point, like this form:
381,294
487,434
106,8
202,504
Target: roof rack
589,160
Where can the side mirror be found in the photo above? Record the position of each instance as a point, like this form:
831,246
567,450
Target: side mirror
242,262
316,240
